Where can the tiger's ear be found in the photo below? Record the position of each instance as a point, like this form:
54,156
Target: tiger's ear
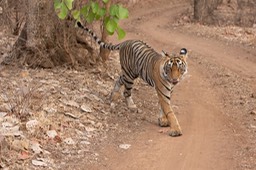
184,52
165,54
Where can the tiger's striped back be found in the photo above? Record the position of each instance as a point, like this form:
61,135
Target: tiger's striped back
136,57
137,60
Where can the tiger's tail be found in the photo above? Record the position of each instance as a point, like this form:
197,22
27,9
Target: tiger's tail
98,40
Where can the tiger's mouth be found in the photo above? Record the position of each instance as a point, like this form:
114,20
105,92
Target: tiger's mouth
174,82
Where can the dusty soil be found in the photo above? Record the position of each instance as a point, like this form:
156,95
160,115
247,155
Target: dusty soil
215,104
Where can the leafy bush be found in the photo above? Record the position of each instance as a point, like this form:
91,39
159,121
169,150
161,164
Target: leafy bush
93,11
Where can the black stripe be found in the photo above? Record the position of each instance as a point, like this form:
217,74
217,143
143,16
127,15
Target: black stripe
127,82
127,72
165,85
163,93
128,88
96,39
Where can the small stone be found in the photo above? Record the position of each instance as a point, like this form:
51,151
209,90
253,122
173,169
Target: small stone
69,141
71,115
51,133
253,112
3,114
112,105
36,147
86,108
8,129
139,111
5,107
124,146
90,129
31,125
39,163
253,95
85,143
71,103
49,109
91,117
253,126
20,144
98,125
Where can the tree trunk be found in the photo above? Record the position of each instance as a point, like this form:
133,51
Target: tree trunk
104,53
199,9
203,10
46,42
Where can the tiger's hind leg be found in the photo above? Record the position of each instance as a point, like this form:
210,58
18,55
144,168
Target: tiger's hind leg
128,83
122,80
115,92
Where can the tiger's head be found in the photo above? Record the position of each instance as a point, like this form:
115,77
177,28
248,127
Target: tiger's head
175,67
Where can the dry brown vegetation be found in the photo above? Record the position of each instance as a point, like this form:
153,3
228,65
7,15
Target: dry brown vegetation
60,118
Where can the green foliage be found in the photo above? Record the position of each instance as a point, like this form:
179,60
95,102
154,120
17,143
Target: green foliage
93,11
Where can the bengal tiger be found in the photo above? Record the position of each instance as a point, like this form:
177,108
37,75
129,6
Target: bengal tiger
162,72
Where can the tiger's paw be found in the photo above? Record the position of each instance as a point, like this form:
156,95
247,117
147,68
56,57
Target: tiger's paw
175,133
163,122
114,96
132,107
130,104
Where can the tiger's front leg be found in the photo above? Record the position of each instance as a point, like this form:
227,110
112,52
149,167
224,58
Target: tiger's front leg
162,120
168,117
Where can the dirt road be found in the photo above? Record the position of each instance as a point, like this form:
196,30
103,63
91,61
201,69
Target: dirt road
215,105
213,138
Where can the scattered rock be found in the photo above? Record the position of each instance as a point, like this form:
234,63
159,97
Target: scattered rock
5,108
31,125
71,103
71,115
253,112
51,134
85,143
39,163
94,97
253,126
20,144
86,108
124,146
98,125
90,129
7,124
69,141
139,111
3,114
163,130
253,95
36,147
24,155
49,109
91,116
7,130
